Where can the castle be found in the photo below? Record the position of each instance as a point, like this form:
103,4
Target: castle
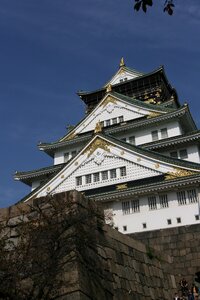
136,151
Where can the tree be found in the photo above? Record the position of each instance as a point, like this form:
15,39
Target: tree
143,4
39,248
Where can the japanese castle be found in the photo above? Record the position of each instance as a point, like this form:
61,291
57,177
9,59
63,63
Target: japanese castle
136,151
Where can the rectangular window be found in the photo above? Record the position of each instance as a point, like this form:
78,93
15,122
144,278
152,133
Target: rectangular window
73,153
169,221
125,228
96,177
113,173
126,207
66,156
197,217
154,135
181,197
107,122
144,225
178,220
135,205
121,119
192,196
152,202
123,139
114,121
183,154
123,171
174,154
132,140
88,178
79,180
104,175
164,133
163,201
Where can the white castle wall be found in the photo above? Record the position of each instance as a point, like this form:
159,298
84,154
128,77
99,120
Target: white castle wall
154,219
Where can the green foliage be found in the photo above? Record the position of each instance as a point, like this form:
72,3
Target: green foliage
143,4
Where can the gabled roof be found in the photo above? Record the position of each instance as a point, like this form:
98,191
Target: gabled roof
162,164
173,141
182,113
27,177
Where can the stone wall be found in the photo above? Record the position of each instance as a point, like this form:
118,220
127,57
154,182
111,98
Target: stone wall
111,265
182,244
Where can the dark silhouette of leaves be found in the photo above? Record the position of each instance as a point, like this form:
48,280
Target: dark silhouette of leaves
168,6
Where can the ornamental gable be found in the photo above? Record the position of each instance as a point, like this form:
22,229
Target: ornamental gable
103,162
113,110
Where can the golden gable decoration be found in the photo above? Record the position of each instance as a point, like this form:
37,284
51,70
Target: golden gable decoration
109,99
178,173
98,143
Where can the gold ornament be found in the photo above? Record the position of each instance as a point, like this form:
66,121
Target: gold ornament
122,63
121,186
98,127
109,88
107,100
179,173
98,143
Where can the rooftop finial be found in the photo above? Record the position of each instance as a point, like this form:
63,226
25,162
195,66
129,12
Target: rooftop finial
109,88
122,63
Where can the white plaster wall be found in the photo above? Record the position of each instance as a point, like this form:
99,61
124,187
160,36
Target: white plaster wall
143,136
117,78
59,155
155,219
192,150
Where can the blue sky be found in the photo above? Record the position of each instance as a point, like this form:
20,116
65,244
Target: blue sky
49,49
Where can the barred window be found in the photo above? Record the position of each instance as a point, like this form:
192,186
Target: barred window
121,119
174,154
73,153
181,197
152,202
113,173
79,180
164,133
154,135
183,153
123,171
114,121
88,178
163,199
126,207
132,140
107,122
135,205
104,175
192,196
96,177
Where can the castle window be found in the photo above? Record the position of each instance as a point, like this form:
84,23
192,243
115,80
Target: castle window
135,205
107,122
164,133
181,197
152,202
144,225
123,139
66,156
183,154
178,220
163,201
125,228
121,119
197,217
154,135
79,180
126,207
113,173
132,140
192,196
104,175
123,171
114,121
96,177
88,178
169,221
174,154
